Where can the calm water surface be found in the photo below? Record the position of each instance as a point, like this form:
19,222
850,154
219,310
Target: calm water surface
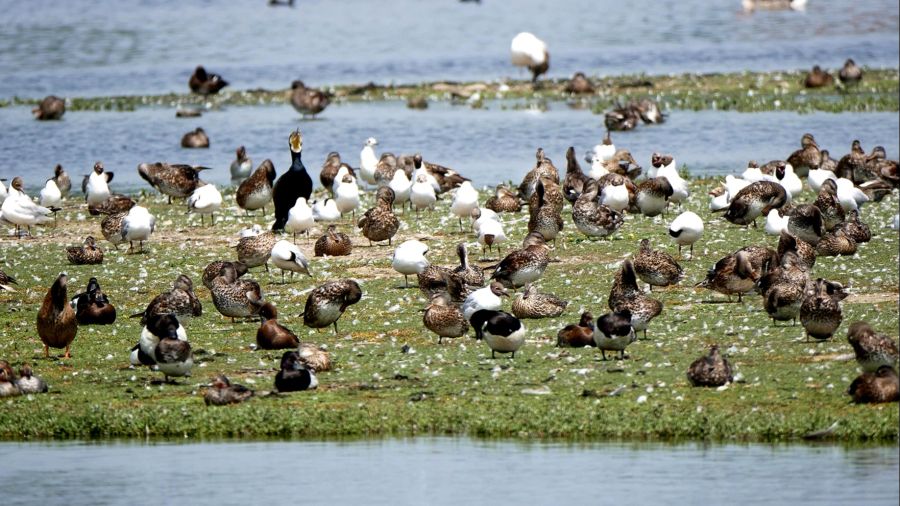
488,146
102,47
446,471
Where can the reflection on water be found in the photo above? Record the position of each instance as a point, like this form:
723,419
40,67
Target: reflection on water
487,145
87,47
443,471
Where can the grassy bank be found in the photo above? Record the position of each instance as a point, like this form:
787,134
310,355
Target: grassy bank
743,91
787,387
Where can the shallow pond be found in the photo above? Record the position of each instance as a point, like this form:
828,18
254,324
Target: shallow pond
488,146
444,471
87,48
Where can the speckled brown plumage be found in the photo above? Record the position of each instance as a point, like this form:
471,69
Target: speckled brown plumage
315,358
855,229
327,303
807,158
329,171
573,183
784,288
755,200
872,348
444,318
255,250
111,228
853,165
579,84
805,223
222,392
87,254
379,223
333,243
820,311
469,274
593,219
805,251
172,180
532,304
255,192
880,386
543,167
503,201
546,217
6,281
652,195
829,206
235,298
836,243
524,265
114,204
738,272
180,300
214,269
308,101
656,268
712,370
625,294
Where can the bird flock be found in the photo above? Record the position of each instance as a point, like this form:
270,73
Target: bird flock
811,204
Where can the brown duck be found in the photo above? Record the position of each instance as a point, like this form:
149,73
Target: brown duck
271,335
196,138
444,318
56,323
255,192
206,83
503,201
379,223
577,335
712,370
818,78
872,349
222,392
51,108
308,101
880,386
333,243
92,307
88,254
656,268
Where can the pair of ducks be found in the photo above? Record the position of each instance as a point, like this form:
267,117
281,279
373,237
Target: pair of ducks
294,375
850,74
25,384
613,332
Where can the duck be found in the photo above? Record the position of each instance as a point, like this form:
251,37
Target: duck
579,85
436,279
524,265
62,180
153,328
111,228
543,167
87,254
484,298
850,73
325,305
653,196
785,287
8,386
809,156
56,322
368,161
409,258
50,195
379,223
205,200
300,219
116,203
656,268
820,311
855,229
621,118
196,138
464,202
256,250
503,201
172,180
531,304
19,210
401,185
470,274
573,183
817,78
50,108
137,225
206,83
711,370
241,166
214,269
292,184
329,172
288,257
872,349
837,243
421,194
164,344
829,206
315,358
346,195
546,217
308,101
92,307
271,335
294,376
685,230
880,386
805,222
852,166
578,335
754,200
526,50
222,392
552,196
28,383
97,188
333,243
181,301
805,251
737,273
6,280
234,297
446,178
625,294
255,192
443,318
502,332
325,210
614,332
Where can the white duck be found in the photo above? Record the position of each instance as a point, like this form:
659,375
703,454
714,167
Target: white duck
849,195
288,257
409,258
775,223
205,200
401,186
368,161
484,298
526,50
300,219
50,194
464,202
421,194
19,210
137,226
325,210
817,177
346,194
97,190
686,229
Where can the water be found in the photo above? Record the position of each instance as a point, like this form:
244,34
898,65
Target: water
489,146
443,471
90,47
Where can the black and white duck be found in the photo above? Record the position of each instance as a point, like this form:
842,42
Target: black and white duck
294,376
614,333
206,83
502,332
